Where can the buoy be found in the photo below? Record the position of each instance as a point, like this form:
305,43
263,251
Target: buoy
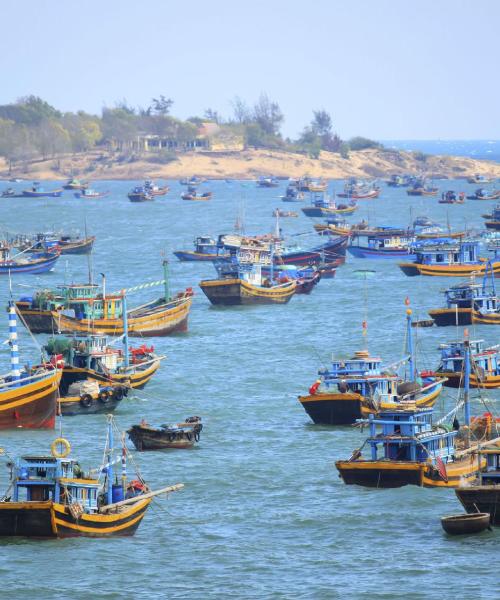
63,453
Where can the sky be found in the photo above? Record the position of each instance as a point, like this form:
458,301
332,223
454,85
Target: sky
384,69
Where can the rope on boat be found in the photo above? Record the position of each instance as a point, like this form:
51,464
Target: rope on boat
142,286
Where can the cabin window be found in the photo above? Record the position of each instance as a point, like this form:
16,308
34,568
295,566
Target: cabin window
456,257
439,258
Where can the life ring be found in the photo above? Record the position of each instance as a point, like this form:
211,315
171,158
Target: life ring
104,397
86,400
63,442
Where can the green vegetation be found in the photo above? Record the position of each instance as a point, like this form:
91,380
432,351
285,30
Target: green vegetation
31,129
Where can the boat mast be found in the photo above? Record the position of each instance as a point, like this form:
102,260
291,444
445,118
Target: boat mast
467,361
110,459
14,349
166,280
409,341
125,328
272,262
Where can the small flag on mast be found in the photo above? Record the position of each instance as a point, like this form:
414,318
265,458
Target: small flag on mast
441,467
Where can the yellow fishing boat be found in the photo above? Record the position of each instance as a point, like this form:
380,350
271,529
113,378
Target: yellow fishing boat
238,291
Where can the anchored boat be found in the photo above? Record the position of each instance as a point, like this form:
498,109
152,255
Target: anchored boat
76,184
28,397
354,388
178,436
35,263
205,249
85,308
37,191
53,497
323,206
447,257
484,364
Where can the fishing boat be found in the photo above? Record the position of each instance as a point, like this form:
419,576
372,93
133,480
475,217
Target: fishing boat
399,180
179,435
447,257
76,184
241,281
357,387
28,397
284,213
411,449
155,190
37,191
420,188
89,194
484,364
205,249
192,195
306,184
484,194
10,193
470,302
424,229
194,180
382,245
93,357
465,524
293,195
140,194
359,191
267,182
479,179
305,277
36,263
493,219
323,206
52,242
451,197
86,308
483,493
51,496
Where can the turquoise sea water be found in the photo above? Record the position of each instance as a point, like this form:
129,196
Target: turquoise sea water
263,513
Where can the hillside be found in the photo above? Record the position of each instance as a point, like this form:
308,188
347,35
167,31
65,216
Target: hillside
250,164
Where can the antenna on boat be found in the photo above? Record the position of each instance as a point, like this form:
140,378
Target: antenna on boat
89,267
467,360
109,467
166,280
125,328
409,340
14,350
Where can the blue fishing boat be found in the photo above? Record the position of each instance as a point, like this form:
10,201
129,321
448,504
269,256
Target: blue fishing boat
323,206
205,249
140,194
39,262
37,191
447,257
354,388
51,496
267,182
484,364
90,194
386,244
292,194
493,219
405,447
470,302
484,194
400,180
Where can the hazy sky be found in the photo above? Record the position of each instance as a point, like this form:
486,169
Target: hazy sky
419,69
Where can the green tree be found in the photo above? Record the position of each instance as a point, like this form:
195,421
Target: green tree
268,115
362,143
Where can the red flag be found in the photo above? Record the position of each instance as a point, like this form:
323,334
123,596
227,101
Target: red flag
441,467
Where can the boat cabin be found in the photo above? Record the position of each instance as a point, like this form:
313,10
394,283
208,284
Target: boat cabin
44,478
491,474
452,357
205,245
409,435
362,375
446,251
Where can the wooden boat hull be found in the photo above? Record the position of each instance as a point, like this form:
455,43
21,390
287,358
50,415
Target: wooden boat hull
191,256
52,520
156,440
37,265
393,474
316,211
493,225
72,406
482,498
331,252
413,269
367,196
80,247
31,405
455,379
449,316
365,252
91,196
160,320
466,523
229,292
343,409
31,194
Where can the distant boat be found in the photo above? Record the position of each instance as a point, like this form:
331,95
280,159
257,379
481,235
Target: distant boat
20,263
484,194
175,436
139,194
323,206
155,190
37,191
76,184
205,249
267,182
90,194
485,364
479,179
451,197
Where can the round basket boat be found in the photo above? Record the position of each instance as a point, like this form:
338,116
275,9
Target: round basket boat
466,523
